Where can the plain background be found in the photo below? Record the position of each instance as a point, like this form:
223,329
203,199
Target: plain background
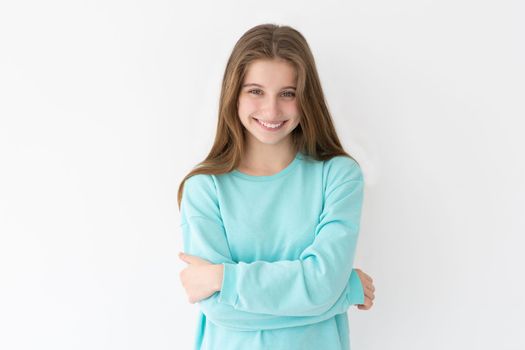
106,105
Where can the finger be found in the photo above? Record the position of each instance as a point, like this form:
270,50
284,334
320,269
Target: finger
194,259
190,259
367,301
365,307
367,304
369,294
368,277
184,258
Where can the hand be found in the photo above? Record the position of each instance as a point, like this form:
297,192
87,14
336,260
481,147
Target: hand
368,288
200,278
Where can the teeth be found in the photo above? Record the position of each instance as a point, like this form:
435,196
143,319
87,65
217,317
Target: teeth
270,125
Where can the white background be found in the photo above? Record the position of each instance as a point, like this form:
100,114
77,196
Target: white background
106,105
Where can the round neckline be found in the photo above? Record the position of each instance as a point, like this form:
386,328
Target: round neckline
277,175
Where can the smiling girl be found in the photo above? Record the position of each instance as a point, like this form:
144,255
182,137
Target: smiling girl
271,218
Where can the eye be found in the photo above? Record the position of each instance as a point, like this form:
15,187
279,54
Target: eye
254,90
290,93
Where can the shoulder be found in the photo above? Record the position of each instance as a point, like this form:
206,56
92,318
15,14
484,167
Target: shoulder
200,185
199,180
199,198
340,169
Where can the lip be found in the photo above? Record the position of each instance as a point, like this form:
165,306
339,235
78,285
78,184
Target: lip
273,122
271,129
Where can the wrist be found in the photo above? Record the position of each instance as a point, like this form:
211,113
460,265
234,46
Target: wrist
219,272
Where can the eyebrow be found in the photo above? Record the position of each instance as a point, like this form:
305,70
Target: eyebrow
254,84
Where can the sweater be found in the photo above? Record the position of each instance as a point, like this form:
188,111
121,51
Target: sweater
287,242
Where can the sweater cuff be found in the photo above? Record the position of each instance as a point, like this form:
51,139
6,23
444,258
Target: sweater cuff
228,293
356,294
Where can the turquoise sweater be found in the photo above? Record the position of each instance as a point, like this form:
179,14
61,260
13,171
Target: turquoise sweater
287,242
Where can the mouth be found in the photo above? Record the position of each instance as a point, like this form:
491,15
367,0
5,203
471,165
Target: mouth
271,126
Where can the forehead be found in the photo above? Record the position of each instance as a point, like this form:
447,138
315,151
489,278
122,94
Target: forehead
271,73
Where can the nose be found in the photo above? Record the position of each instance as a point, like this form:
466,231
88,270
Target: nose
272,108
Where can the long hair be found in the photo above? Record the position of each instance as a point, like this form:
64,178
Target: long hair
315,135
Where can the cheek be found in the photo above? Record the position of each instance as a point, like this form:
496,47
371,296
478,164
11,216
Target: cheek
291,109
247,106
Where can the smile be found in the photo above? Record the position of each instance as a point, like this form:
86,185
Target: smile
270,126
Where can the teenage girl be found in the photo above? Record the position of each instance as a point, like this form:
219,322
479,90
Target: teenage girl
270,219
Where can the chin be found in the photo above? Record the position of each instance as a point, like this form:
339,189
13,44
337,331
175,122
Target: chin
270,139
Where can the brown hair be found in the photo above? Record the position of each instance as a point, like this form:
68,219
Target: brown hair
315,135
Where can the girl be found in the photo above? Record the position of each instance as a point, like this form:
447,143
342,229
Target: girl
270,219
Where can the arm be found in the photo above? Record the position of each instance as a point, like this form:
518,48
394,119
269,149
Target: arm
312,284
205,238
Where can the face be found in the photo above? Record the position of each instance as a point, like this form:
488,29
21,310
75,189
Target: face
267,104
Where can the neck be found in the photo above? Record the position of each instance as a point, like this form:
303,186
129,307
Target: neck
264,158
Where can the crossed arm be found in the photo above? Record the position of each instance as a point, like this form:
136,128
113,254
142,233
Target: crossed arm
268,295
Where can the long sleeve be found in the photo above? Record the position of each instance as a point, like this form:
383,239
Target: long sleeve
204,236
313,283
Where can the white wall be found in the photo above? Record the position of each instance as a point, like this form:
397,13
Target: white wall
106,105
